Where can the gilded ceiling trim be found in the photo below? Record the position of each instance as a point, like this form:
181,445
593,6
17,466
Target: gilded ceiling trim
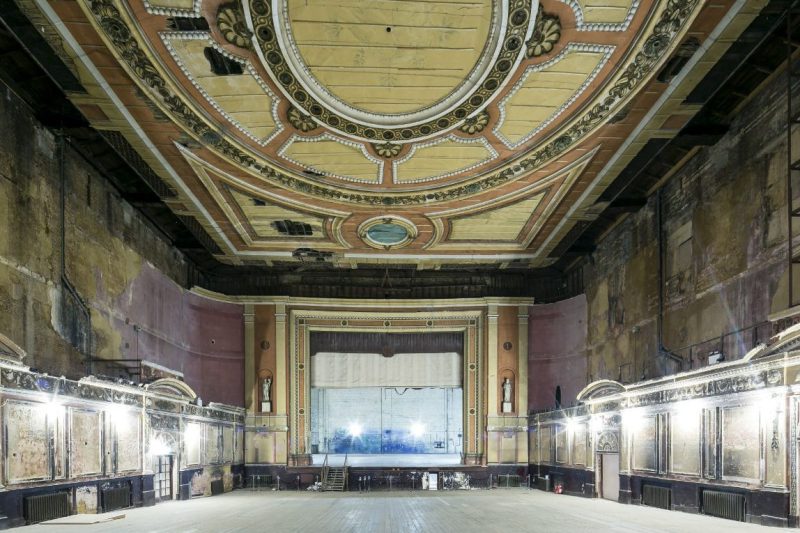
167,37
519,27
571,47
114,28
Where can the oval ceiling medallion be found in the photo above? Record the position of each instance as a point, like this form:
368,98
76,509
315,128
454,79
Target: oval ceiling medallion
399,74
387,232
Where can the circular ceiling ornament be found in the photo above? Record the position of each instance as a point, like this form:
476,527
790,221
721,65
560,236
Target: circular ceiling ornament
512,26
387,232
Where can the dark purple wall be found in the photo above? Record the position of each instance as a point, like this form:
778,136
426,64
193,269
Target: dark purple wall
556,352
182,331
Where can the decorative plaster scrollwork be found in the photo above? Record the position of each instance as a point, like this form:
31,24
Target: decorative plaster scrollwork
232,25
545,35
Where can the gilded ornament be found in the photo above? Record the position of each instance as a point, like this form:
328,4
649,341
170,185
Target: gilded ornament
545,35
300,121
475,124
387,150
232,25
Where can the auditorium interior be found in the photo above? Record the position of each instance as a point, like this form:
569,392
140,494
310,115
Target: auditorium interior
232,296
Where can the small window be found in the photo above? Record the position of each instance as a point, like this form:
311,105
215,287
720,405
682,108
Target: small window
558,396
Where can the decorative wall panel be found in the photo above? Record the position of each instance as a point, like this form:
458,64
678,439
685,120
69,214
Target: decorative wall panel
129,441
212,455
193,443
86,443
685,442
740,442
579,445
27,456
227,444
644,444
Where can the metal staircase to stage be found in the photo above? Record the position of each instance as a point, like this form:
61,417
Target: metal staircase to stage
334,478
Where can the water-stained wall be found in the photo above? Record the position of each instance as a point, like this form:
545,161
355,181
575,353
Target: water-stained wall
124,272
724,233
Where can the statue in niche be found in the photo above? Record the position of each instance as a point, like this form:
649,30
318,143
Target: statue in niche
507,390
507,396
265,386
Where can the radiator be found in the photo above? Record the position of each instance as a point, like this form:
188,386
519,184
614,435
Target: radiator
217,487
724,504
47,507
655,496
117,498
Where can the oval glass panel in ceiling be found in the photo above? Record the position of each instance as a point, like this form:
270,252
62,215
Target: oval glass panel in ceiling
387,233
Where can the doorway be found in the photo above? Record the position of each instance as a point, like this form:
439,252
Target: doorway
162,480
609,475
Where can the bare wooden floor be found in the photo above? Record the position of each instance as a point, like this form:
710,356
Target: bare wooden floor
509,510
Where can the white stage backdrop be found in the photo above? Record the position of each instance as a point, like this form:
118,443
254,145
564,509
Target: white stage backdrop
346,370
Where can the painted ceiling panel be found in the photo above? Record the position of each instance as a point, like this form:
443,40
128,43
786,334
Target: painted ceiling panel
544,92
608,11
501,224
334,157
448,95
241,97
261,217
390,57
450,156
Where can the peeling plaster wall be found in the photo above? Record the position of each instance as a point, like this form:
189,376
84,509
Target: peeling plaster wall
556,351
724,229
125,272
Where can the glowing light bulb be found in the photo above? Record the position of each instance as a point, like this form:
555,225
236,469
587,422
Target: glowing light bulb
417,430
354,429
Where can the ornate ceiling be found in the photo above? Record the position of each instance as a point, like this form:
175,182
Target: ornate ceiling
430,132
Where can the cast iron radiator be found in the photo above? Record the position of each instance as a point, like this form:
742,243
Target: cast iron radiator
117,498
724,504
47,507
656,496
217,487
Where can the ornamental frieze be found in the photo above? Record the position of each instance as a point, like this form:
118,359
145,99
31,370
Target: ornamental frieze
727,385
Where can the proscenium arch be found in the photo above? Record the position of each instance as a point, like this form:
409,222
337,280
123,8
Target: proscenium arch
468,322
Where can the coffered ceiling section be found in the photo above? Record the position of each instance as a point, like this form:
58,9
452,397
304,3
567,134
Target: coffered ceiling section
387,131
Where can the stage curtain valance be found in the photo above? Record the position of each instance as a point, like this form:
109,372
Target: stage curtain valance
346,370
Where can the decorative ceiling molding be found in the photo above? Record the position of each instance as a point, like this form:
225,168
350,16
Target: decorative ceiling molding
166,8
518,27
570,48
167,37
326,171
417,147
582,25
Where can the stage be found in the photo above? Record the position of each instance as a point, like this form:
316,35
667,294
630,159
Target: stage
389,460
